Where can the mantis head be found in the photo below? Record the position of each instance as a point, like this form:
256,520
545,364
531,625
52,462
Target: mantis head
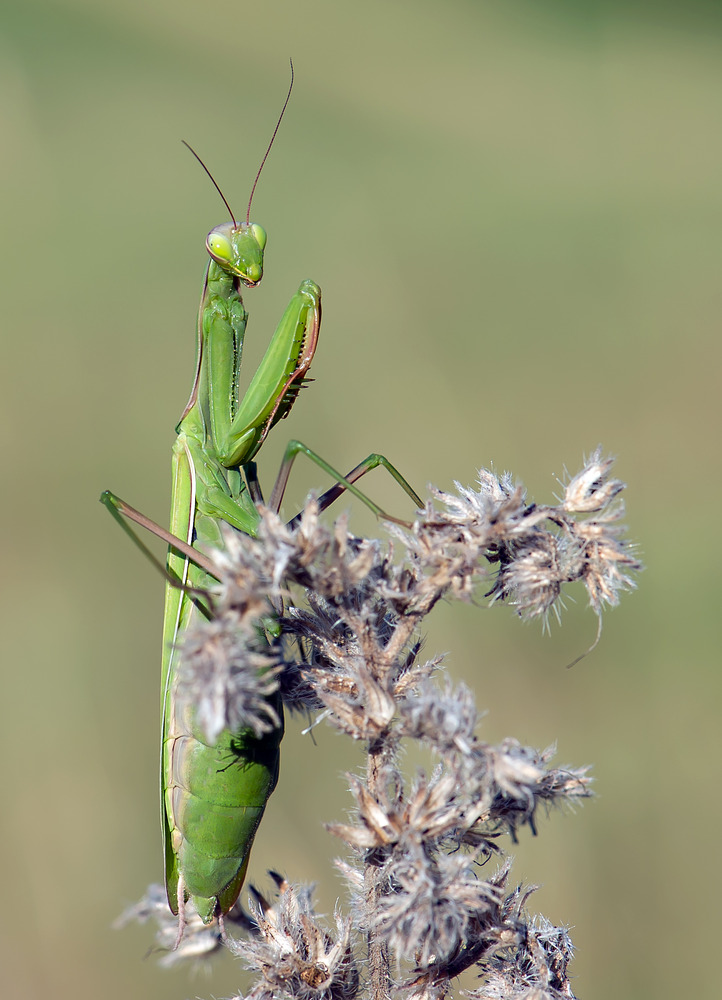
238,249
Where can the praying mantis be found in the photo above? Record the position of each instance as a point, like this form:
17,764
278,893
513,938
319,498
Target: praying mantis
213,796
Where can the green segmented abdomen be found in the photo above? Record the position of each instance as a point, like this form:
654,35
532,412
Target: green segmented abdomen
214,800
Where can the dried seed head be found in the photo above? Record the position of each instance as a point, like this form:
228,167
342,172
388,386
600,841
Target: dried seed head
295,955
592,489
431,904
445,719
229,675
199,940
531,966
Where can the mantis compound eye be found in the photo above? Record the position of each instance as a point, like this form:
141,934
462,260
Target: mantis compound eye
260,235
219,247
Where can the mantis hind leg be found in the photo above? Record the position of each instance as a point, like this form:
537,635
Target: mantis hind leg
343,483
373,461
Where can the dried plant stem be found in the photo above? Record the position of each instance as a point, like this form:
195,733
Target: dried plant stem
378,950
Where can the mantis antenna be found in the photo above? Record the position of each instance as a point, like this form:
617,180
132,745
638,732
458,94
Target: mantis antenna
263,161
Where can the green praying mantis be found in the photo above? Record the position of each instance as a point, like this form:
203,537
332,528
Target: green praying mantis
213,796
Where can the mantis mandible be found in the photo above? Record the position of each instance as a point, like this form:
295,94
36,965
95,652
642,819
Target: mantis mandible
211,809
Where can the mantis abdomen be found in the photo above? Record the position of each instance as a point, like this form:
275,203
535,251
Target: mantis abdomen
214,797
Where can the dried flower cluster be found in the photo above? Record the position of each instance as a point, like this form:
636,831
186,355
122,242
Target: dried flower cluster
424,907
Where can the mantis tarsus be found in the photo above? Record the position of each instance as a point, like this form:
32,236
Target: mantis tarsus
210,810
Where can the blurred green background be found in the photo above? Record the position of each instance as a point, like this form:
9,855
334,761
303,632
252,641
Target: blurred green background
514,211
